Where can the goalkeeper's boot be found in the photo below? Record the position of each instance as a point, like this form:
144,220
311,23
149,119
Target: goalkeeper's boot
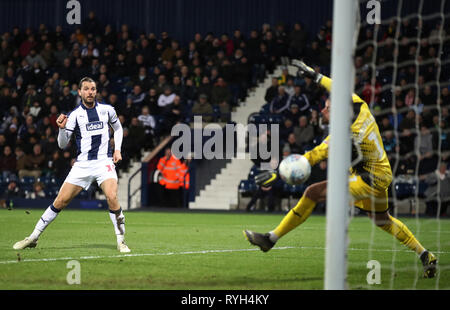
123,248
429,263
261,240
25,243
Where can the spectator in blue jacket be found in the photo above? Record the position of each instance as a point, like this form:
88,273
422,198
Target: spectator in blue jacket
280,103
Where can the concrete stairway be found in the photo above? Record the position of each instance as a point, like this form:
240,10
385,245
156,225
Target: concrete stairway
222,193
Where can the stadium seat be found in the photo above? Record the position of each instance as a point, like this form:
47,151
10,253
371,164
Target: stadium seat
246,188
404,190
49,193
292,192
275,119
27,180
83,195
253,172
47,180
216,112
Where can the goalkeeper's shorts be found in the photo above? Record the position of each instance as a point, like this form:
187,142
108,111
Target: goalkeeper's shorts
366,197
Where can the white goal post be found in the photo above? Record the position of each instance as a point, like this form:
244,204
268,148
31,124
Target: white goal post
342,73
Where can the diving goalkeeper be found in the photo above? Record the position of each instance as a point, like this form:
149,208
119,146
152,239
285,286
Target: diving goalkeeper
369,180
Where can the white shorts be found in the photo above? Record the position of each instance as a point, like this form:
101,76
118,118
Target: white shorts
85,172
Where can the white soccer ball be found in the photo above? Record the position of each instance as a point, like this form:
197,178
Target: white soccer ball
294,169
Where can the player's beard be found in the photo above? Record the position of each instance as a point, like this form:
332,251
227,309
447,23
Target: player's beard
89,103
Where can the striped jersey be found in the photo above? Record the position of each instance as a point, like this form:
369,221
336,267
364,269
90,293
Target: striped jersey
91,130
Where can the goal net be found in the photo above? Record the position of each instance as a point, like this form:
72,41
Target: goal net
402,71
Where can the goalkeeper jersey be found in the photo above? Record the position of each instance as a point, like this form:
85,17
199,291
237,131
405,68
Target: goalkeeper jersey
374,167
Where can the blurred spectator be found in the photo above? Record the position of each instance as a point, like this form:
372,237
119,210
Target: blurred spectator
166,98
300,100
291,146
385,125
272,91
304,133
137,131
286,128
437,193
176,112
280,103
262,63
7,162
289,87
221,96
11,191
37,192
129,110
316,122
33,57
58,164
149,124
205,86
2,143
34,163
424,145
203,108
297,41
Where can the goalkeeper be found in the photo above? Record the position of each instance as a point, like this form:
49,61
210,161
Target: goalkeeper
370,177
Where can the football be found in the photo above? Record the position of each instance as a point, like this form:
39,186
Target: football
294,169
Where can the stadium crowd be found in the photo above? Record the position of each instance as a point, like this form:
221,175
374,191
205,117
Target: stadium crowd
155,81
152,81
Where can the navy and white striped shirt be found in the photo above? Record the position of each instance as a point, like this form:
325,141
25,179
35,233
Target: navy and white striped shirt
91,130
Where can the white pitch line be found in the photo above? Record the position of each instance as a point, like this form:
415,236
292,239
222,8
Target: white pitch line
134,255
34,260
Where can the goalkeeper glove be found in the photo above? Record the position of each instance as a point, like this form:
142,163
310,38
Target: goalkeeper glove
266,178
306,71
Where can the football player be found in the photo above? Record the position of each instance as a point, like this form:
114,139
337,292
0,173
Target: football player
89,123
370,177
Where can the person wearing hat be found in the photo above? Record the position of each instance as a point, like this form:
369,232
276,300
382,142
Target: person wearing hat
203,108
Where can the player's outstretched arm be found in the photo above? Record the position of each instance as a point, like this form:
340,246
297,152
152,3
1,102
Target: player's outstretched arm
306,71
318,153
326,82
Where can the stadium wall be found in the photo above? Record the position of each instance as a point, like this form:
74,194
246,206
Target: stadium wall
181,18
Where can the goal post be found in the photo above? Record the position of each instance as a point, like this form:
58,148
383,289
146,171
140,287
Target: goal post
342,73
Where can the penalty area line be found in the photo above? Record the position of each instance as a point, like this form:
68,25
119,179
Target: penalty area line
28,260
31,260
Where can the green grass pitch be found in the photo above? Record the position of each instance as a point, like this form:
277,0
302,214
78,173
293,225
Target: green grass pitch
206,251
